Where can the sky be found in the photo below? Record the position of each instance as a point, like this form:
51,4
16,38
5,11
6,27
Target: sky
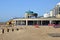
16,8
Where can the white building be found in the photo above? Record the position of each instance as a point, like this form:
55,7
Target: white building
47,19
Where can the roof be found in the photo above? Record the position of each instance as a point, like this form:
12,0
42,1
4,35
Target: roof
42,18
29,12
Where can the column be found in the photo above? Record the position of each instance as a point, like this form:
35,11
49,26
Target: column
15,22
26,22
50,21
41,22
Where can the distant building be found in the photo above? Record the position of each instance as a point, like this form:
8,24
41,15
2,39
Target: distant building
29,14
52,13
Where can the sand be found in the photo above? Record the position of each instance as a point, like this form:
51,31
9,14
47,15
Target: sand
31,33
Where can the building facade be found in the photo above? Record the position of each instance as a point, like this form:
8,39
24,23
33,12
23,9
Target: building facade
32,18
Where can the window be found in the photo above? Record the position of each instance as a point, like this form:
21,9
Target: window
45,22
59,8
34,22
30,22
56,22
19,22
39,22
59,12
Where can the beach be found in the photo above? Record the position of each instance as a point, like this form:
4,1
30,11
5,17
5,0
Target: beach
31,33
